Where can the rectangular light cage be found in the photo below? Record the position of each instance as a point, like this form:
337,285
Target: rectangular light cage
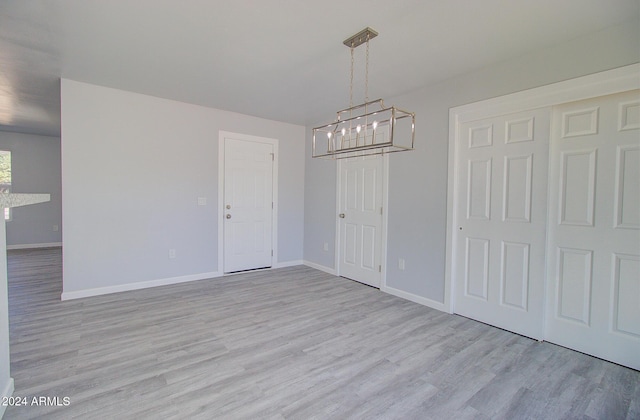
366,129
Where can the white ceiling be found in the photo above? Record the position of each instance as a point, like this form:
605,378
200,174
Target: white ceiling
278,59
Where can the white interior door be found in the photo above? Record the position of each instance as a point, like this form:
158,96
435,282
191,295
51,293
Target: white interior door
248,205
501,212
594,228
360,219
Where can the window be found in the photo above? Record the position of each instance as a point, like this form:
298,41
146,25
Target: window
5,177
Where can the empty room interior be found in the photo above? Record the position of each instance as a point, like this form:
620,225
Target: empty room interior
291,209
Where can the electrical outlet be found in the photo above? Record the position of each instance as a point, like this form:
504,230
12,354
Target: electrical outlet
401,263
56,228
202,201
172,253
326,246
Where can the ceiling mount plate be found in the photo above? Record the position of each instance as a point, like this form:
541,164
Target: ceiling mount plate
360,38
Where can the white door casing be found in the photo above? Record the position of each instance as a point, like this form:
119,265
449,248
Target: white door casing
360,223
247,204
502,202
593,300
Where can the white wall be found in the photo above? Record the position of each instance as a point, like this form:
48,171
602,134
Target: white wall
418,179
133,167
35,162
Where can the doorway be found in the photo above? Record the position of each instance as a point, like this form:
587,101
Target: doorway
502,208
586,295
593,262
247,202
361,227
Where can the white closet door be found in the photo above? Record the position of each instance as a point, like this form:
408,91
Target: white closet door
501,206
594,238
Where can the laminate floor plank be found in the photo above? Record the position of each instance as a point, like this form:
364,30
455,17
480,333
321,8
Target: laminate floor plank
291,343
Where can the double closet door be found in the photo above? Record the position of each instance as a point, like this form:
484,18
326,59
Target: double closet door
548,242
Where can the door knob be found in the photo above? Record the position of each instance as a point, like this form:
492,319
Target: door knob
228,216
341,215
228,206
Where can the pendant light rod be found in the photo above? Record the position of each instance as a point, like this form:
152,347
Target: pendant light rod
360,38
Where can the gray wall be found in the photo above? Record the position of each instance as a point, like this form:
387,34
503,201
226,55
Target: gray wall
418,180
133,168
35,166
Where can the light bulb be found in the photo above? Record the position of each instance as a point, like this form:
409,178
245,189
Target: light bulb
375,124
358,128
329,135
344,131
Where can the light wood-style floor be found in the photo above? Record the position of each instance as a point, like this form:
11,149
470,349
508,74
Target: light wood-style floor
289,343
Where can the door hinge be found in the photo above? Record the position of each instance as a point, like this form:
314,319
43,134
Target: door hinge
380,210
272,204
273,156
272,252
379,269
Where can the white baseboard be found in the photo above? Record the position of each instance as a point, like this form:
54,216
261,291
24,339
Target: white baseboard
78,294
33,246
136,286
415,298
7,391
287,264
327,270
390,290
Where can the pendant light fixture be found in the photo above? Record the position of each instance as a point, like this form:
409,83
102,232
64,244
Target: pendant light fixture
366,129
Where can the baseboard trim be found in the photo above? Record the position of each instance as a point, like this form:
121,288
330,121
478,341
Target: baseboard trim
390,290
98,291
288,264
33,246
327,270
415,298
6,392
136,286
